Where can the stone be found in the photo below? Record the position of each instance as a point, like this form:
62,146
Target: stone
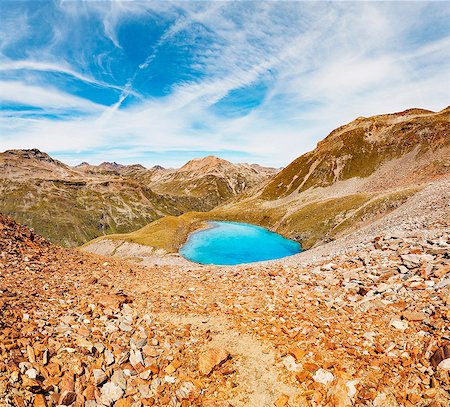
402,269
170,369
18,401
211,358
323,376
441,354
289,364
30,353
109,357
123,403
415,316
45,357
110,301
67,382
282,401
99,376
31,373
399,324
414,260
99,347
442,271
119,379
297,353
90,392
136,357
39,401
125,327
444,364
184,390
338,395
123,358
67,398
144,391
111,392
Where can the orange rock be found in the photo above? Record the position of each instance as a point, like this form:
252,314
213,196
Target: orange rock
154,368
39,401
210,359
310,367
110,301
302,376
90,391
297,353
170,369
67,382
67,398
123,403
414,398
18,401
282,401
53,369
442,271
441,354
30,354
338,393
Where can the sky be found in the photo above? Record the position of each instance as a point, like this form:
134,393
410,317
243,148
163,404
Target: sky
158,82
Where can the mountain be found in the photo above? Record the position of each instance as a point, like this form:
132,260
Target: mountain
211,179
72,205
357,175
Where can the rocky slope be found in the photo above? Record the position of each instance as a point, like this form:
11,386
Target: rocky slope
211,179
71,206
358,174
368,327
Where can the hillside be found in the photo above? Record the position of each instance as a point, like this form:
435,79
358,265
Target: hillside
211,179
357,175
71,206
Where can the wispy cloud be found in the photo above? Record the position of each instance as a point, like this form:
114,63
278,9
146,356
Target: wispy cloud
27,95
177,70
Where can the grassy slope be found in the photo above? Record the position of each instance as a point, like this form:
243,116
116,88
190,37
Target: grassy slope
315,222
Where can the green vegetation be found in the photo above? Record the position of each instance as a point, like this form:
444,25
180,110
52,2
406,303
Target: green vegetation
314,222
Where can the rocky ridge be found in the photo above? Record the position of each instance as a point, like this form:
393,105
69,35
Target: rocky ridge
368,327
213,179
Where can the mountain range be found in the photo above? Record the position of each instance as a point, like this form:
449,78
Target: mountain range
71,205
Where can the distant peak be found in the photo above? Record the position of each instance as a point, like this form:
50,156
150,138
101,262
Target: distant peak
109,165
32,153
206,163
157,167
83,164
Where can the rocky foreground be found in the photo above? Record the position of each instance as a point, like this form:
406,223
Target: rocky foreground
368,328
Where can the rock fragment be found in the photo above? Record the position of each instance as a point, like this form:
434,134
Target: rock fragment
211,358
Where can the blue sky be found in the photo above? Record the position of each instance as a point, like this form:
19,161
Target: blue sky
164,82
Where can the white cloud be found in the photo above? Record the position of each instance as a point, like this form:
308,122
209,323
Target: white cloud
21,93
52,67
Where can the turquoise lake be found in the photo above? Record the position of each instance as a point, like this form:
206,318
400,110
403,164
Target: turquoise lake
228,243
